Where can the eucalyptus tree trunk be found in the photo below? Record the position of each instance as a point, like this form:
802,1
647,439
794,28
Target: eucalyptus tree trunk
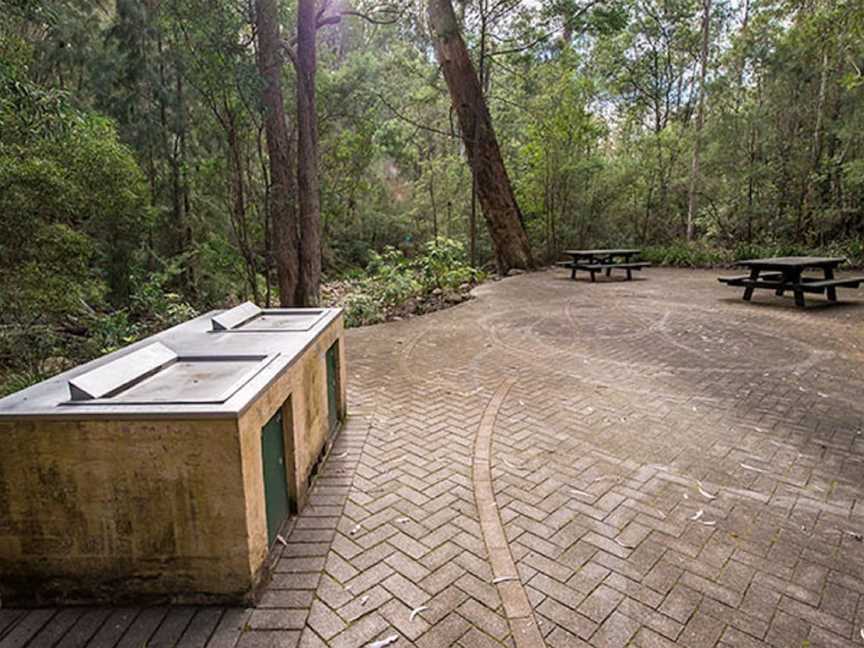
281,152
810,179
692,198
308,290
494,190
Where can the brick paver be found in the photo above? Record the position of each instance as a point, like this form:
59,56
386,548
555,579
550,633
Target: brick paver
646,463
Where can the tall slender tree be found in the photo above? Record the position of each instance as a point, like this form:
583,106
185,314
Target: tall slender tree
692,194
281,150
309,199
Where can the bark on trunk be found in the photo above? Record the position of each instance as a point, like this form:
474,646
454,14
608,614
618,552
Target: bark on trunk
700,120
308,290
494,190
808,180
280,148
237,192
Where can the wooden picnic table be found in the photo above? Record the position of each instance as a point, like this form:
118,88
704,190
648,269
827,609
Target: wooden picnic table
594,261
782,274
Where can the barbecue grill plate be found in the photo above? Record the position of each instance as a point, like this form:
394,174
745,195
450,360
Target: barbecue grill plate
248,318
180,380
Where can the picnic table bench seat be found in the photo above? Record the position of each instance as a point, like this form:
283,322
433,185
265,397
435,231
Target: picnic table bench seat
740,279
821,285
594,268
636,265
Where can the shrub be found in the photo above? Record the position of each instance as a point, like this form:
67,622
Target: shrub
392,280
684,255
702,255
362,309
444,265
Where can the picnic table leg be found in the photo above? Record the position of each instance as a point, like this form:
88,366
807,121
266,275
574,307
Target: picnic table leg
629,275
799,294
573,271
748,291
592,275
832,291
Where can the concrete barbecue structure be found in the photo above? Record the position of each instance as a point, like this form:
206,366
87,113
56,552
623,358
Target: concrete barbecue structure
165,470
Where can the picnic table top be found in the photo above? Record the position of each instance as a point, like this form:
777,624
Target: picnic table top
793,262
600,252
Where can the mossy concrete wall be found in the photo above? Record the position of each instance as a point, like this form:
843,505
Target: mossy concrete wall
93,510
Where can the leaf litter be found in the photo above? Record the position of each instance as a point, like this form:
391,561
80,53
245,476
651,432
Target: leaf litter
417,611
753,468
703,492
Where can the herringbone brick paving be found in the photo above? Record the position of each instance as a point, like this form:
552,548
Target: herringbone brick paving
666,466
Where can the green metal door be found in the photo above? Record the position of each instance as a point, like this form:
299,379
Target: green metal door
275,482
333,385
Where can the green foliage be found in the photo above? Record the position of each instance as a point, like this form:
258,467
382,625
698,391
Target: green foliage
74,209
683,255
153,307
702,255
442,264
394,281
72,197
153,303
362,308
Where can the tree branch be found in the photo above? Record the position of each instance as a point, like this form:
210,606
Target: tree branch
413,122
537,41
322,20
288,48
373,20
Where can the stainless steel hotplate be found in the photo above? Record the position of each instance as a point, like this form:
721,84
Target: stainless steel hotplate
249,318
155,375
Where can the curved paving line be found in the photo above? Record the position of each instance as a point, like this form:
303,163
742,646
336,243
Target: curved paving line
520,616
548,352
649,325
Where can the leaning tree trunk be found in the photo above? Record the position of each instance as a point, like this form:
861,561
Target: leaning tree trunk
280,148
484,157
308,291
